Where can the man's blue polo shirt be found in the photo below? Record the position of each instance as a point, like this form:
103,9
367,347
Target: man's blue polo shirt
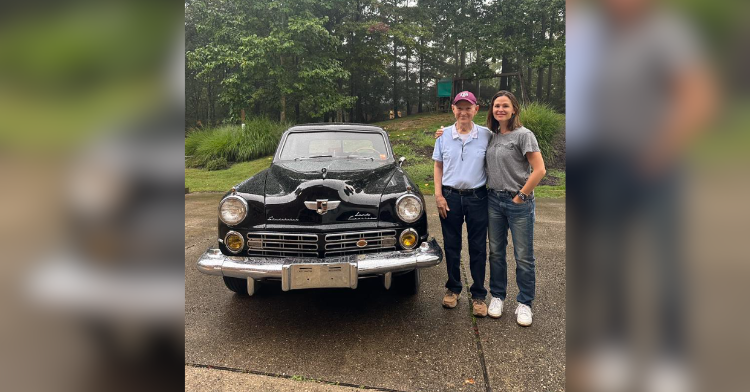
463,163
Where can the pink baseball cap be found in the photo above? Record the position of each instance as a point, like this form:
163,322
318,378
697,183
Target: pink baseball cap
465,96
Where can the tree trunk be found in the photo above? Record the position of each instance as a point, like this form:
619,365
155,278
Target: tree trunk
528,76
353,115
457,55
506,68
539,83
395,78
549,67
560,93
283,97
421,74
210,111
549,82
407,92
463,61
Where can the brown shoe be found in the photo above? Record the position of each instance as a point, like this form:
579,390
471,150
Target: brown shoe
478,307
450,300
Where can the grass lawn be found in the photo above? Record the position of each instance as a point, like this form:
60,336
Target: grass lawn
411,137
201,180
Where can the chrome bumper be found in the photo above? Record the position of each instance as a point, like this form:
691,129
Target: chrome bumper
213,262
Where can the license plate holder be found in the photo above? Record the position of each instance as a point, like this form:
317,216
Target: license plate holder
319,275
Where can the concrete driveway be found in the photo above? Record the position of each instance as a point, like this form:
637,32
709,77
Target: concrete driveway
342,340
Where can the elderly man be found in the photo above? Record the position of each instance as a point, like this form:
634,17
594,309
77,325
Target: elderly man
461,194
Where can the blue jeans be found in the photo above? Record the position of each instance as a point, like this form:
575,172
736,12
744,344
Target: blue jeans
504,214
473,208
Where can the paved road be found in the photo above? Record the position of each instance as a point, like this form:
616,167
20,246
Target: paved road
341,339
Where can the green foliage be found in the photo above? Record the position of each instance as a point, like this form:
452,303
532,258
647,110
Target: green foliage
425,139
546,125
202,180
402,150
314,59
269,55
421,172
259,138
217,164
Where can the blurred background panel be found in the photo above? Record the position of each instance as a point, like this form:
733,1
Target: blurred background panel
91,222
657,143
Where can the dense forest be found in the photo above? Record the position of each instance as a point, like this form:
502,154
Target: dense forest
356,60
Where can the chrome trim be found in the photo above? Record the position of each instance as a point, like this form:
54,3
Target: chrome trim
241,239
287,281
278,245
356,251
213,262
401,236
322,206
281,244
281,236
387,280
281,253
421,207
244,203
250,286
358,235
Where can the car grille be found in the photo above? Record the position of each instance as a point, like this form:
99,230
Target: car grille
282,244
346,243
274,244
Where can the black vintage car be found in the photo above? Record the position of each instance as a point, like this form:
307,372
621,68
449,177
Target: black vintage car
335,206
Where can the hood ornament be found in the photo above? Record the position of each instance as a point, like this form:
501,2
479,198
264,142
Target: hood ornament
321,206
324,171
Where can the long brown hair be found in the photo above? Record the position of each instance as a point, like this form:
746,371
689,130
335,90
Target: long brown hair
515,121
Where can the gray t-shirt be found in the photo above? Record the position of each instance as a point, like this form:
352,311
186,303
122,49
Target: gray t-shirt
506,163
633,86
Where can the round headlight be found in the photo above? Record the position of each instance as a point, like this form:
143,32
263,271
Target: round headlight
232,210
408,239
409,208
234,241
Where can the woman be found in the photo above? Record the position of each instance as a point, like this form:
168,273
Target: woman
511,155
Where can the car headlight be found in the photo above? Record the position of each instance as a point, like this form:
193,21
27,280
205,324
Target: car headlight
234,241
408,239
232,210
409,208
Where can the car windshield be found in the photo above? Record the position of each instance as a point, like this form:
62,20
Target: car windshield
343,145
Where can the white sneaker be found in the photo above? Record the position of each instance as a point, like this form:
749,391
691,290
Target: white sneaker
496,308
524,314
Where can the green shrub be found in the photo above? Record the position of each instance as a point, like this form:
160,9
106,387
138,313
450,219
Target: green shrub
425,139
402,150
546,124
193,140
230,142
420,172
217,164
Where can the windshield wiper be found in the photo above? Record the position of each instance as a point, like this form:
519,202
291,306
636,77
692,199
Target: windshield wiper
313,157
359,157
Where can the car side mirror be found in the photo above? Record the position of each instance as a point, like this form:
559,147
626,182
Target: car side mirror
401,161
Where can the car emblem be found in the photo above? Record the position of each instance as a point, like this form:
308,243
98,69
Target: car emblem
361,243
321,206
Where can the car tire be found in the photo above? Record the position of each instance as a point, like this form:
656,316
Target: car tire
238,285
408,283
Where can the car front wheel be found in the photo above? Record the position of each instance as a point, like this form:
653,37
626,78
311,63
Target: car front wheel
408,283
237,285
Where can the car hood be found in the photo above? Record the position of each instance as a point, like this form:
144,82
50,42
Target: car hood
357,186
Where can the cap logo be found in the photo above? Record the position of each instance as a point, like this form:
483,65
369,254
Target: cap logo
463,94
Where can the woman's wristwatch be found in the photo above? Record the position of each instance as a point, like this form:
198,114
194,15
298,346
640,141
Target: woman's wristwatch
522,196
